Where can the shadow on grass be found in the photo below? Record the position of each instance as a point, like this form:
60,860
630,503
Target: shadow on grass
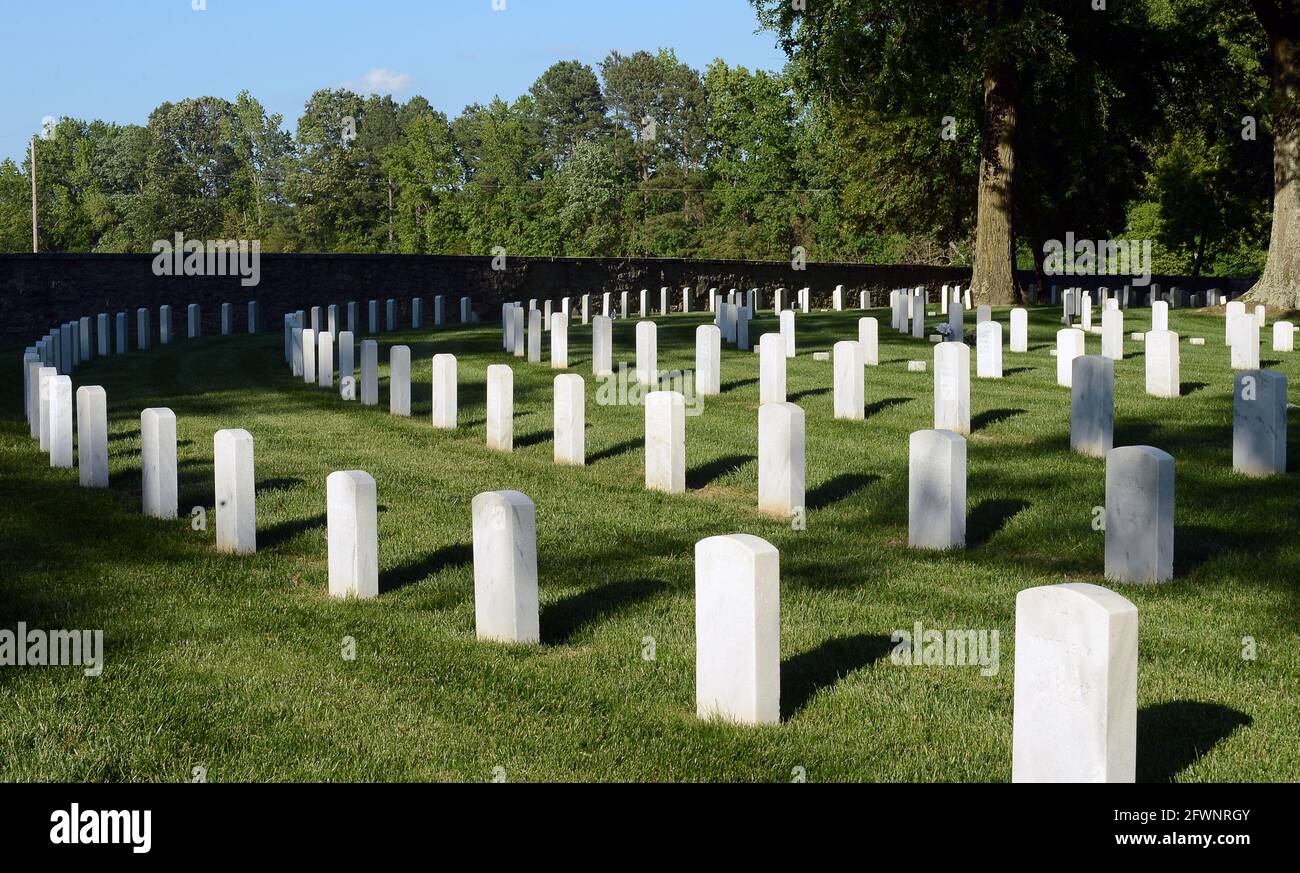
989,517
811,392
838,488
279,534
739,383
698,477
1185,388
1014,370
563,620
455,555
1172,736
532,439
803,675
613,451
991,417
881,405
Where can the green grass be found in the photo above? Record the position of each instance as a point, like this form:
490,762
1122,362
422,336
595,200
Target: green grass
234,663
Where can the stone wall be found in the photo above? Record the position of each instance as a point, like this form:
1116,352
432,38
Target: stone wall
38,291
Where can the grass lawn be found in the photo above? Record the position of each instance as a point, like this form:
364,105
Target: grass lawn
235,663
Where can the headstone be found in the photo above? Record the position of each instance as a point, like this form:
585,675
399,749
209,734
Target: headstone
983,313
390,315
332,319
1259,410
988,350
570,419
92,436
918,313
1283,336
1235,309
869,341
164,325
534,336
1162,370
417,312
32,371
373,317
647,353
663,300
352,317
444,392
158,462
1160,315
60,388
101,334
956,322
505,567
1019,329
602,346
708,360
1092,405
316,324
369,373
771,367
120,319
849,391
936,477
325,360
1139,515
1112,334
780,459
622,305
1069,345
466,313
1244,337
738,630
309,356
399,380
952,387
227,320
500,408
518,337
665,442
1085,311
44,379
254,317
560,341
787,331
235,491
437,310
347,366
1076,663
352,531
743,316
142,329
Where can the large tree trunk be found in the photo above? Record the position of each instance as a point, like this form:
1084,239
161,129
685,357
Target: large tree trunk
1279,286
993,278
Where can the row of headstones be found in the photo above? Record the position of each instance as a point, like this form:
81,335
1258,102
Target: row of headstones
73,343
1083,730
737,576
1127,296
327,318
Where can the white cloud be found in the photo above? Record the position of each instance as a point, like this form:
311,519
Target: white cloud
380,80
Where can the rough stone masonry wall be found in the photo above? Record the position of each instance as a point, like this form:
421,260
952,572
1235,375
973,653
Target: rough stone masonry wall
38,291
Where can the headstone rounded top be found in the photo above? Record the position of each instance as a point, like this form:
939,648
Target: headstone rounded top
740,545
1077,593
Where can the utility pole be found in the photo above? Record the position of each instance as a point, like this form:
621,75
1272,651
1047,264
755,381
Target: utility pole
35,245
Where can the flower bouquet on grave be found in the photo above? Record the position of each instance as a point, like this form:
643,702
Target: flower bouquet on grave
944,329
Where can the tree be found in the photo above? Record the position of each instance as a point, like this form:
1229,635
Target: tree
570,107
1279,286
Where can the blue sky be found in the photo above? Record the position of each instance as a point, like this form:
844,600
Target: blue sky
118,59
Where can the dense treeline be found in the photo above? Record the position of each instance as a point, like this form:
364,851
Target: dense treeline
878,142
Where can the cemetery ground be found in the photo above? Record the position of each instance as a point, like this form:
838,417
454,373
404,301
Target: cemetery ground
236,663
